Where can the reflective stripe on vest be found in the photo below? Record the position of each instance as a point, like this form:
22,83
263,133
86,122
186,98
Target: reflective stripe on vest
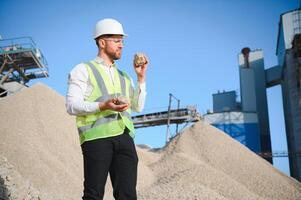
103,120
101,84
108,118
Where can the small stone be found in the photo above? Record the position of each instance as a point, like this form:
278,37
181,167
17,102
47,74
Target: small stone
139,59
122,100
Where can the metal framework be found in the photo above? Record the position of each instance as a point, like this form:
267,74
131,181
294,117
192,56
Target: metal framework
168,134
21,61
278,154
177,116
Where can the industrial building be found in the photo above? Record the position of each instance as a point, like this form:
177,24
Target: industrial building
243,126
248,121
289,55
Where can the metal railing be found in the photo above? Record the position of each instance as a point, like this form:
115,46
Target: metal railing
22,44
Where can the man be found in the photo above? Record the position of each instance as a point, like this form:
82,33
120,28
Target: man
103,119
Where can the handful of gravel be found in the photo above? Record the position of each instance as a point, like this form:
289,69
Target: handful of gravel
122,100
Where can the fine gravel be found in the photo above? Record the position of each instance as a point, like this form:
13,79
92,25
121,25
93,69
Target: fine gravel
40,159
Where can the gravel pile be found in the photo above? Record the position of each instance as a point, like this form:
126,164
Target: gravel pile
40,159
202,162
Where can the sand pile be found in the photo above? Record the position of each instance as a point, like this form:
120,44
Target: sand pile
40,158
39,141
205,163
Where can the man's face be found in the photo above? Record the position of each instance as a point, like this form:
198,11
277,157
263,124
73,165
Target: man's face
113,46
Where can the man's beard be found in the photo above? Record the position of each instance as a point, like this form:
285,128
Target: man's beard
114,55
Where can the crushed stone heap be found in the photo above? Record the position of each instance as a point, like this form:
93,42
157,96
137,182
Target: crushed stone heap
40,158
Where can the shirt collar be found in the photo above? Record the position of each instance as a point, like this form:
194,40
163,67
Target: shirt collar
101,61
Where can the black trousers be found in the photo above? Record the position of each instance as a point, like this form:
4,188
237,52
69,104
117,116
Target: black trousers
115,155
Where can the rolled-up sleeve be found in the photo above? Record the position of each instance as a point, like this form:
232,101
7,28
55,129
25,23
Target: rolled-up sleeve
78,80
138,96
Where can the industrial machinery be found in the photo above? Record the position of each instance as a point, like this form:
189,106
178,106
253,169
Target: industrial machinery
20,61
171,116
175,116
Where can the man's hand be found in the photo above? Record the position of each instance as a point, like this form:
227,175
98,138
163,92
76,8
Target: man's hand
111,104
141,69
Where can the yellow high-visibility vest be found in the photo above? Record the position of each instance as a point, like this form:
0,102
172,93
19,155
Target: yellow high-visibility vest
106,123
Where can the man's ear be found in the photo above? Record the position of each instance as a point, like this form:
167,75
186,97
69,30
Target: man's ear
101,43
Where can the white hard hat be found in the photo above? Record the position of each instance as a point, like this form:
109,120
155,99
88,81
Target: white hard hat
108,27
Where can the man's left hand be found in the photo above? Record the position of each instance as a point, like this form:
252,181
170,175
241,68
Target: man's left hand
141,70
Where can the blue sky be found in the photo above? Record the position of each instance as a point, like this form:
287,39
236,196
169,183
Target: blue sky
193,46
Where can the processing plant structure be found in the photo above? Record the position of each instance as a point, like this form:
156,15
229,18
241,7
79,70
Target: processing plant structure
20,61
248,120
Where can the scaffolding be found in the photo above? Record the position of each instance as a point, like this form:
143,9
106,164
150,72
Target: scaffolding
20,61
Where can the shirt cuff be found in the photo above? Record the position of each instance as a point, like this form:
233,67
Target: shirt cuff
95,106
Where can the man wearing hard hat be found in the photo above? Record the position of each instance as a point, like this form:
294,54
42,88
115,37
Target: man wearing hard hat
102,98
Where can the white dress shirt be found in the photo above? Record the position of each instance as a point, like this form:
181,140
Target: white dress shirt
80,88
